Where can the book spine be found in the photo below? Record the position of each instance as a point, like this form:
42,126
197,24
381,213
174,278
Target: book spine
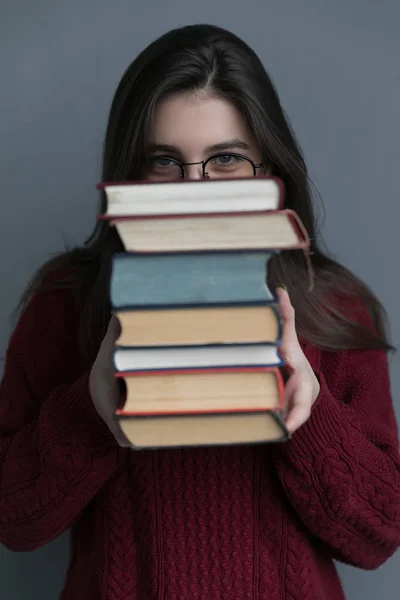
192,346
247,369
120,412
172,216
183,369
196,305
283,438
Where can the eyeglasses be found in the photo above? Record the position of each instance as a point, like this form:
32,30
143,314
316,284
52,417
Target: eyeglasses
164,168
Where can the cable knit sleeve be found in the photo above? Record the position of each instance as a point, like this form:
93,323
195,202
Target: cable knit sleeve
341,470
55,451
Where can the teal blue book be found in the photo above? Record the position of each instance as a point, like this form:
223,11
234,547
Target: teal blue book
189,279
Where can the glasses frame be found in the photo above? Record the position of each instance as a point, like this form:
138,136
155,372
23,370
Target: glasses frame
204,163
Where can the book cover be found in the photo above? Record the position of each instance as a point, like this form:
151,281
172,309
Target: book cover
139,280
188,196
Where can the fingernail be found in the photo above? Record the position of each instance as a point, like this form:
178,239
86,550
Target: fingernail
282,285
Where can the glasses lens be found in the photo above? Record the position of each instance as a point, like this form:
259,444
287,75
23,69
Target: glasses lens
163,169
228,165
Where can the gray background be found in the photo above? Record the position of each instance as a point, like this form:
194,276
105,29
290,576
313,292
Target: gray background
336,66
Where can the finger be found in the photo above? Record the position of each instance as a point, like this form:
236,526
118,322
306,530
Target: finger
114,328
286,368
289,394
300,409
122,439
290,347
287,313
119,435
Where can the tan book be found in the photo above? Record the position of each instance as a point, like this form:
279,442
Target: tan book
198,326
204,430
278,230
211,390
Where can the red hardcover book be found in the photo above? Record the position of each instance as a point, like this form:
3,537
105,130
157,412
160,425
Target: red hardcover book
208,390
257,230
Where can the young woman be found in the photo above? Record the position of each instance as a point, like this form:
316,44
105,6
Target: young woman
260,522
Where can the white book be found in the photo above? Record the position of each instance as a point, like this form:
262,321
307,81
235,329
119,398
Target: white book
138,359
193,197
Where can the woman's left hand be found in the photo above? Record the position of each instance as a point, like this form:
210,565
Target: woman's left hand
302,387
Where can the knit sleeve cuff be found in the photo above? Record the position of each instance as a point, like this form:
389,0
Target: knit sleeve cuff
69,414
324,425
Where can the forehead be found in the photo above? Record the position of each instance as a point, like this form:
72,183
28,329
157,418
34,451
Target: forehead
196,120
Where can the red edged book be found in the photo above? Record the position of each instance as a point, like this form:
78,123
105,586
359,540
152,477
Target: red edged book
258,230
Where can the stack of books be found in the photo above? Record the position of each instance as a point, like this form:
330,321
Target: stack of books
200,327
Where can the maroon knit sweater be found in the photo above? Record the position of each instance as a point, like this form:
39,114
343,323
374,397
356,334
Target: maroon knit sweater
233,523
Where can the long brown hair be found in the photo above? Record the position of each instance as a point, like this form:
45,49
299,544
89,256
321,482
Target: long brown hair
193,58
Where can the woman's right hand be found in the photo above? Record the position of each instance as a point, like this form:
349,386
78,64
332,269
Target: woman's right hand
103,385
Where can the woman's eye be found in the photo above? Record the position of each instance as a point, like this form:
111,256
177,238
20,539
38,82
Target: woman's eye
161,161
162,168
226,159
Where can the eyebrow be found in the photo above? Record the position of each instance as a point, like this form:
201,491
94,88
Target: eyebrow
234,144
228,145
